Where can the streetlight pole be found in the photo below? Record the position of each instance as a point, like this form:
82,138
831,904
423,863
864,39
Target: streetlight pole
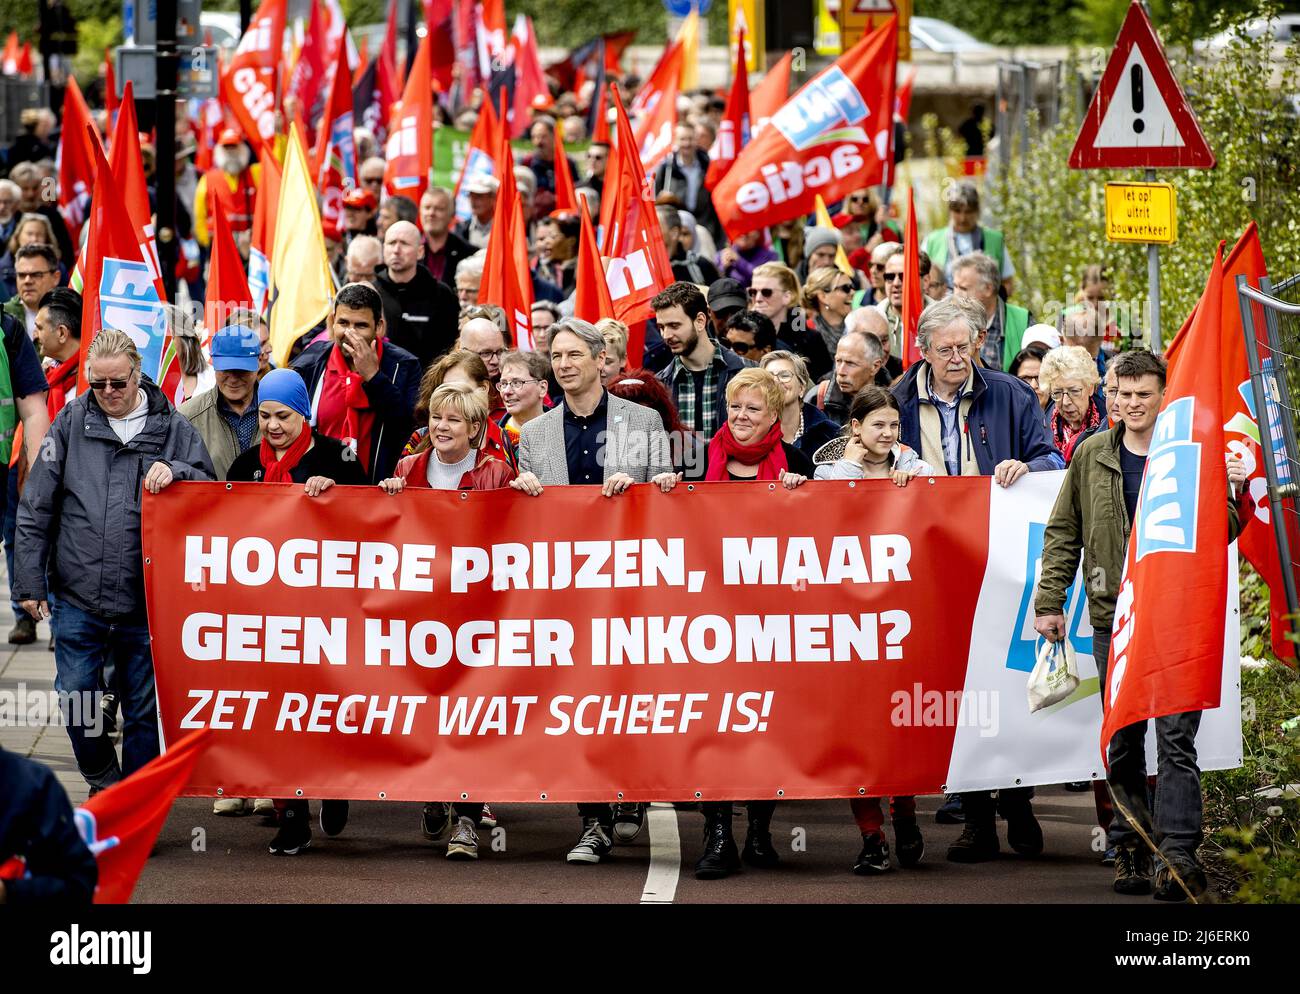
165,118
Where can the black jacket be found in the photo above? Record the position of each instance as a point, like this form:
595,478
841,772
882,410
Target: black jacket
327,457
36,824
422,314
670,178
455,249
798,334
392,392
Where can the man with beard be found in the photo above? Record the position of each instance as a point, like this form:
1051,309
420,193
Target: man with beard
232,181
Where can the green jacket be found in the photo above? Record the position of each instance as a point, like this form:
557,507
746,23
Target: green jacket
1090,516
936,246
14,308
1015,322
219,438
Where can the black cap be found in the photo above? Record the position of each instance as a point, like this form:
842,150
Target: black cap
726,293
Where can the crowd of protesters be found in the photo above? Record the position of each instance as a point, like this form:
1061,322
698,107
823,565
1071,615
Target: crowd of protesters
769,359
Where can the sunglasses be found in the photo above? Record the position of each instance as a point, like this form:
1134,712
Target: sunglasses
846,287
105,384
765,292
891,277
741,348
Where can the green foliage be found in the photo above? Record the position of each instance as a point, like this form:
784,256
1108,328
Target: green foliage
1250,832
94,36
1041,22
1255,138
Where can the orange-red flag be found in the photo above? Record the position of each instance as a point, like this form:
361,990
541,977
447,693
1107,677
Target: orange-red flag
913,299
227,284
25,66
566,197
263,238
248,85
77,147
111,102
507,280
409,151
335,159
480,157
591,300
656,104
733,129
128,170
9,58
770,95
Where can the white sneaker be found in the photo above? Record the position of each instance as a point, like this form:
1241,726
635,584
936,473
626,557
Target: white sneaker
463,844
230,806
264,806
593,846
488,819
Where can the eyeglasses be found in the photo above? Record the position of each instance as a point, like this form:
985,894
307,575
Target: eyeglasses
486,354
878,265
859,200
785,376
952,350
765,292
102,385
1031,380
34,274
516,384
893,277
1075,393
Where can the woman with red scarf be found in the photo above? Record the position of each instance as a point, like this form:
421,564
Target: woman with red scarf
748,447
1068,375
290,452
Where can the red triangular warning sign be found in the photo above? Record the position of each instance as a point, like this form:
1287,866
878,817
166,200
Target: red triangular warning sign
1139,117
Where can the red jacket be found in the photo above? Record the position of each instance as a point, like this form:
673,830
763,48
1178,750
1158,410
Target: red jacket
489,472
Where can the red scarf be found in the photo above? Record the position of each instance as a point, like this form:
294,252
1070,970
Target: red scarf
1067,438
344,412
62,380
278,470
766,452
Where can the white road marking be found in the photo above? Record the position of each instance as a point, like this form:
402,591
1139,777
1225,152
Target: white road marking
665,855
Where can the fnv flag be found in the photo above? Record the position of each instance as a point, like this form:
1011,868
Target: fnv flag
120,289
249,84
829,138
1166,651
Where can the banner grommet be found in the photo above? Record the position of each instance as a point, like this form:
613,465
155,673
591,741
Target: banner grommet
383,795
780,792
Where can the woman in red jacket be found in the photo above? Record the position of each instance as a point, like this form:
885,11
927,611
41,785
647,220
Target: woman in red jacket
452,459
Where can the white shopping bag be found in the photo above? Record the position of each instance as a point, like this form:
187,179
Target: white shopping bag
1055,676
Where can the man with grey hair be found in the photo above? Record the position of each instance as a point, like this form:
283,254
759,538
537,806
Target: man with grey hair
370,175
597,439
964,235
443,248
965,420
858,358
469,276
10,194
869,321
364,257
79,540
975,276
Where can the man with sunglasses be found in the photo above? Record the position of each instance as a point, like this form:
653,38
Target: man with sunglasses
892,306
750,335
79,539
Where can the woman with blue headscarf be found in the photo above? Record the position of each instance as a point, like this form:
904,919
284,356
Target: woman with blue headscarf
291,452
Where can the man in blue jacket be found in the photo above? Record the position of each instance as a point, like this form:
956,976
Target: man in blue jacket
42,855
363,388
965,420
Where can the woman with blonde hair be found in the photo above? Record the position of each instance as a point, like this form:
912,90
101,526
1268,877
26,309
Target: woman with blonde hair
829,295
197,375
775,293
1068,375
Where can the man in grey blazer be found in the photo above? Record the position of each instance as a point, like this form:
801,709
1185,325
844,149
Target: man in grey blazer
598,439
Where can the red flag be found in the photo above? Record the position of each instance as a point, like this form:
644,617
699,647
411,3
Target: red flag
633,242
77,148
770,95
903,95
9,58
439,15
480,157
1166,654
831,137
388,56
363,59
409,152
336,166
591,300
25,59
307,83
913,299
119,290
658,103
600,133
249,84
507,280
529,80
491,29
733,130
128,170
1242,435
120,825
227,284
566,197
111,102
263,238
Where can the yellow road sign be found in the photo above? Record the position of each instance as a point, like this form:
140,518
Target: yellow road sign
749,14
1141,212
858,17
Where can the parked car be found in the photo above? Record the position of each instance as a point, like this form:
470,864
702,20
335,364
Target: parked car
933,35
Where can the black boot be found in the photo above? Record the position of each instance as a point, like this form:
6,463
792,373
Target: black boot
720,858
759,850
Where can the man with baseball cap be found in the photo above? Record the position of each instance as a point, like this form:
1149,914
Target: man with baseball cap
482,192
726,297
232,182
226,418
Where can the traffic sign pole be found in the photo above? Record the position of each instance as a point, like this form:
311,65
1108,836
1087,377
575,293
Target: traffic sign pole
1153,285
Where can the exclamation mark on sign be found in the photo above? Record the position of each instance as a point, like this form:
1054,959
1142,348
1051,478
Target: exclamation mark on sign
1136,81
767,710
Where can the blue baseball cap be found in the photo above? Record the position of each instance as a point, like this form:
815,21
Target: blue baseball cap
235,347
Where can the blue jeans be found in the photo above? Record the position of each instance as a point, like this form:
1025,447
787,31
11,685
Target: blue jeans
86,644
1176,825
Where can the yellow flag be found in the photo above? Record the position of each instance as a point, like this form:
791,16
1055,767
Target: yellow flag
689,37
824,221
301,286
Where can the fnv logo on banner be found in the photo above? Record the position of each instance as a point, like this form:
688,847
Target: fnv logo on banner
1171,487
827,110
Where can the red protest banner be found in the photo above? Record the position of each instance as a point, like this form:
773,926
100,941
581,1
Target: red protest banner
730,640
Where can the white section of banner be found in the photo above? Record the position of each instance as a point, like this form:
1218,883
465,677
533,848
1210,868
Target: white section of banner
998,742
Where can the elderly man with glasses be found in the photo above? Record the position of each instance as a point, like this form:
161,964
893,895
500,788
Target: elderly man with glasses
36,271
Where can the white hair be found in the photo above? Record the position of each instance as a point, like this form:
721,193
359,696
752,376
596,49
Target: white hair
472,266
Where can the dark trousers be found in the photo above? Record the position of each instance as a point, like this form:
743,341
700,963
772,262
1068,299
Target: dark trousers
981,809
1176,825
601,812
